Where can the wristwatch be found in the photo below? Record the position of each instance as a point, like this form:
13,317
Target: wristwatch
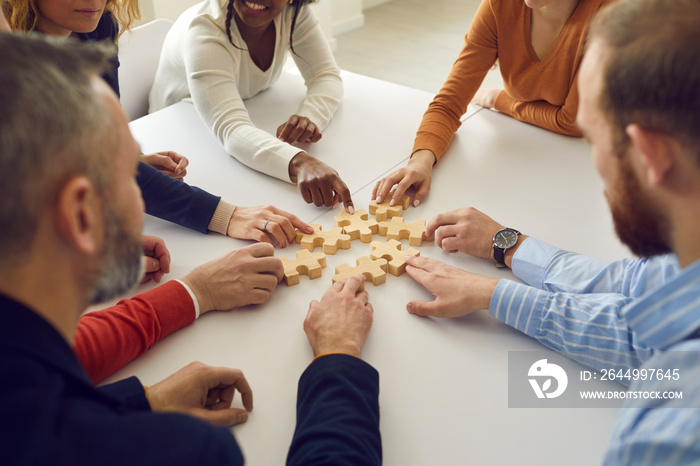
503,239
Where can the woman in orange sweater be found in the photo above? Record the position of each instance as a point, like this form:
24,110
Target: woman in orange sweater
538,44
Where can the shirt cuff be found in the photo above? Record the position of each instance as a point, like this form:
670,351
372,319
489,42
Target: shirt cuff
194,298
222,217
531,261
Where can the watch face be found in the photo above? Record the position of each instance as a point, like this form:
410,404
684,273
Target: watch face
505,238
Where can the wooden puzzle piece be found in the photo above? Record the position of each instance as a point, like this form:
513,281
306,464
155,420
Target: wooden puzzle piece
373,270
397,229
305,263
357,225
384,211
331,240
392,253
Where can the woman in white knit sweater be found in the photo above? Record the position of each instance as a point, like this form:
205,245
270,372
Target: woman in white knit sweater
221,52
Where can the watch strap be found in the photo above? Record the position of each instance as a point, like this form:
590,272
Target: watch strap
499,254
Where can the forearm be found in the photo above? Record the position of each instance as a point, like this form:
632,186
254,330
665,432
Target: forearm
549,268
560,119
477,56
176,201
586,328
251,146
108,339
337,414
316,63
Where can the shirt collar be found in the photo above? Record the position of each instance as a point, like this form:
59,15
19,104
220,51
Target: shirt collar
670,313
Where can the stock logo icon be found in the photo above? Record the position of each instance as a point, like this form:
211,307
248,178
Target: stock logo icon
541,374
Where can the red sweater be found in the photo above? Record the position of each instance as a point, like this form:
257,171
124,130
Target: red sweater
108,339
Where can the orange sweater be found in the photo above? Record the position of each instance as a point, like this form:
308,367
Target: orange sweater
542,92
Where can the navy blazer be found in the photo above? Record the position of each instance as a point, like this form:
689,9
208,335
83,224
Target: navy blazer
166,198
51,414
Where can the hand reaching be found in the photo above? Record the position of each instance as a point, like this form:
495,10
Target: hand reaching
319,183
486,97
241,277
264,224
465,230
204,392
298,129
156,258
171,163
417,173
456,291
341,321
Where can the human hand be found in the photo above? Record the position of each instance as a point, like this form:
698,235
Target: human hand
156,258
486,97
340,323
319,183
241,277
466,230
456,291
171,163
298,129
204,392
252,223
417,173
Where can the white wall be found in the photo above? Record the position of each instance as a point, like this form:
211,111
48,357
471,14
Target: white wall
169,9
347,15
372,3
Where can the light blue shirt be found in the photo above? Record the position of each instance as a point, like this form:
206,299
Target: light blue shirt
625,314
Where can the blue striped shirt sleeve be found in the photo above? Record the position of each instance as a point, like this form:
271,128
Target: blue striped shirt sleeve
586,328
547,267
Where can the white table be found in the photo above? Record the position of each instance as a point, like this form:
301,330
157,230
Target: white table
443,382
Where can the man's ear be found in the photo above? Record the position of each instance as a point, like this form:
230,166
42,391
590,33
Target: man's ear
655,152
78,214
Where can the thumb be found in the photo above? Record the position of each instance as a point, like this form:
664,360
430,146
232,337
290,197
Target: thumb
222,417
423,308
421,193
151,264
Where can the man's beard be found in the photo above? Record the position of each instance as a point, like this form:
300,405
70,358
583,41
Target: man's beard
122,266
639,223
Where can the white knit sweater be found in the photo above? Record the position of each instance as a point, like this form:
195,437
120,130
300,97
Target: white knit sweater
199,62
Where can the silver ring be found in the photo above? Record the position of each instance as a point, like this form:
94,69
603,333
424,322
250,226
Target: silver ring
265,224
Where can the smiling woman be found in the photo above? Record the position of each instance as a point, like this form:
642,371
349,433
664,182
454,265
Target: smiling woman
221,52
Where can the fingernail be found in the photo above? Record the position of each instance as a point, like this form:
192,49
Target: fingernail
379,199
242,417
416,202
392,202
351,209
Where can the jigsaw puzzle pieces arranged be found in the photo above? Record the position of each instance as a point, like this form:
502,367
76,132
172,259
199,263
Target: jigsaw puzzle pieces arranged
331,240
392,253
374,271
305,263
384,211
357,225
385,257
397,229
